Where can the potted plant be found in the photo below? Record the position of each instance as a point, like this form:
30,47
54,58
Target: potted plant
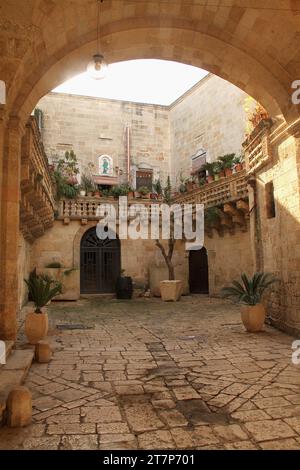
124,286
218,171
41,290
210,168
144,192
226,163
87,184
170,289
238,163
248,293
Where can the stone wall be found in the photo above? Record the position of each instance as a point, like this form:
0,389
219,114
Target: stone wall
228,256
24,264
279,249
210,116
94,127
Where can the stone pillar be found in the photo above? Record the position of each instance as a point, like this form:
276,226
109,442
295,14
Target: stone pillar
9,227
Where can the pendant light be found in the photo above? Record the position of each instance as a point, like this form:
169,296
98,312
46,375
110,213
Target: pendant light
97,68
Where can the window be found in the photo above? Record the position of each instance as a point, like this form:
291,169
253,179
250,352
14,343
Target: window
144,178
270,200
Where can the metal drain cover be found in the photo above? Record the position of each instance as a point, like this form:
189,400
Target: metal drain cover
73,326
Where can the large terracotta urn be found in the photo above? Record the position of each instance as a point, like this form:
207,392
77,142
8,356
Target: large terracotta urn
253,317
171,290
36,327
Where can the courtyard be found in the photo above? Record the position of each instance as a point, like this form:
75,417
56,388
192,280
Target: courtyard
144,374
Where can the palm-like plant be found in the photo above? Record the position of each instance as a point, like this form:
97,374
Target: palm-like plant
226,161
250,291
42,289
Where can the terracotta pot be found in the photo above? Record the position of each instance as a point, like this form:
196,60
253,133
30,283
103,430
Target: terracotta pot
36,327
171,290
228,171
253,317
210,179
137,194
97,194
189,186
238,167
130,194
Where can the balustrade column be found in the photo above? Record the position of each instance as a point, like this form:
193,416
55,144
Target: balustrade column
9,227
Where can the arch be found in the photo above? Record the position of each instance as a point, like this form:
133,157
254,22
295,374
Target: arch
99,263
162,38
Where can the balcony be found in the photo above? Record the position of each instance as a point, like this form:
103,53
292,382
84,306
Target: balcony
37,200
257,147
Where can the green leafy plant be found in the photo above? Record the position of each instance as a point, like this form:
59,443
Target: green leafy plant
42,289
201,181
238,160
250,290
68,165
87,184
226,161
157,187
211,168
143,190
211,216
63,188
54,264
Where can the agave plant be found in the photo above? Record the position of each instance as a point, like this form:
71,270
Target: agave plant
42,289
250,291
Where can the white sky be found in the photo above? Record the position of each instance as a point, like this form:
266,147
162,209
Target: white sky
144,81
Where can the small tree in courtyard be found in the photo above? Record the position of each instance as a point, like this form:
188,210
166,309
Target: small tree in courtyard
168,253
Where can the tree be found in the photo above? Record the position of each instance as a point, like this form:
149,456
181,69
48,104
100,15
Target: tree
168,254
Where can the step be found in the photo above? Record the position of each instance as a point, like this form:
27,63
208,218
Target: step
13,373
9,347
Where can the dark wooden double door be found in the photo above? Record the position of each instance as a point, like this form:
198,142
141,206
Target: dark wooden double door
99,264
198,271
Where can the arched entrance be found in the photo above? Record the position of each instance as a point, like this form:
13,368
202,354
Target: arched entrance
198,271
99,263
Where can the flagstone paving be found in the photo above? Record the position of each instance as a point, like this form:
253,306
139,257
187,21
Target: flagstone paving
152,375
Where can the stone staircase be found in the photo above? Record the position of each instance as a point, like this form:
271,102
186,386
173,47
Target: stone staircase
13,373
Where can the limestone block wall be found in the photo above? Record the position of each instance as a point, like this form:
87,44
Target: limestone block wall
228,257
279,251
94,127
210,116
24,265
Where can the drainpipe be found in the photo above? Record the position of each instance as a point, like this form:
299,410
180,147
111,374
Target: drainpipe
128,152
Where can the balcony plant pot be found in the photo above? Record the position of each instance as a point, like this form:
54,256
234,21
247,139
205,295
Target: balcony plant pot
238,167
217,177
130,194
97,194
210,179
137,194
228,172
253,317
171,290
189,186
124,287
89,194
36,327
82,193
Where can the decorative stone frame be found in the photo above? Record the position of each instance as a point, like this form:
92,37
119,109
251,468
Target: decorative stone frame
143,166
111,165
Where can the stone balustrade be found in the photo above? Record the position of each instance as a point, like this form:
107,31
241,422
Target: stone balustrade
37,198
219,192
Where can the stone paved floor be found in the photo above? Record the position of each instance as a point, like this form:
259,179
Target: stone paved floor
155,375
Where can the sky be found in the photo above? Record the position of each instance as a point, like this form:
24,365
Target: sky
142,81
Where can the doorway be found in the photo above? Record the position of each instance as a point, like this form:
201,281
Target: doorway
198,271
99,263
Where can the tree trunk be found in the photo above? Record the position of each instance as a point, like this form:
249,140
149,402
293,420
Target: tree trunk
171,271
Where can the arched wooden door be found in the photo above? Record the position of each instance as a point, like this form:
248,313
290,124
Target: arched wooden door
99,263
198,271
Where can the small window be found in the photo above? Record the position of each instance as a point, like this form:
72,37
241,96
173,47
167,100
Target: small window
144,178
270,200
